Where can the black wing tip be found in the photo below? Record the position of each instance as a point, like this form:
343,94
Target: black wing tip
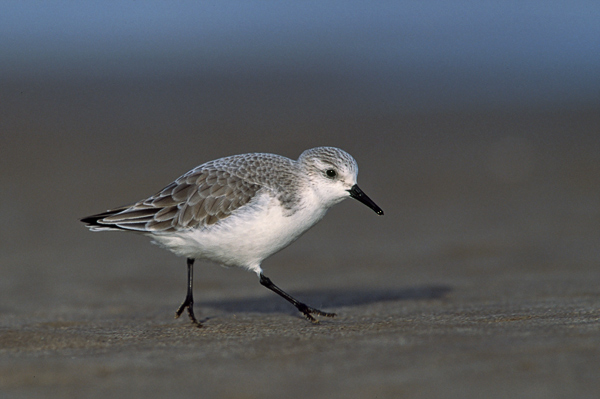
91,220
97,222
94,220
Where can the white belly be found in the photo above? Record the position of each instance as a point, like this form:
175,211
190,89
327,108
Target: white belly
246,237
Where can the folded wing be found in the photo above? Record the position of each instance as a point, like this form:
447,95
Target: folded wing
199,198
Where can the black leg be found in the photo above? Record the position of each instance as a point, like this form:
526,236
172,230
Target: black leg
189,298
307,311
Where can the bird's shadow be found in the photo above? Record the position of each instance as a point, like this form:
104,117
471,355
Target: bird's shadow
329,299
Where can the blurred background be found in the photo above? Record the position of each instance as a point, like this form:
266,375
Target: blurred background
476,126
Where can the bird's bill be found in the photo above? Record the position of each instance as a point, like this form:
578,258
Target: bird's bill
357,194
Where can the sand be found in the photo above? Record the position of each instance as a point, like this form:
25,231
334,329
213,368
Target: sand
481,280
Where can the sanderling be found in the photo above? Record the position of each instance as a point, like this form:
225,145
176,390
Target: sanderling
239,210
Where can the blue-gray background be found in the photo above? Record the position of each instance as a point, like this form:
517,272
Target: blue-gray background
415,54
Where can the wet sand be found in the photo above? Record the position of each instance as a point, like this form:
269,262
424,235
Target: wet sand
481,280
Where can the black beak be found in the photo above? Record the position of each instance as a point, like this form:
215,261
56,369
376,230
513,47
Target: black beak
357,194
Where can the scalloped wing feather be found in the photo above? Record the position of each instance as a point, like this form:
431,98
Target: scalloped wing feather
200,198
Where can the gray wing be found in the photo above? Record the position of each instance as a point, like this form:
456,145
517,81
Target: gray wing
200,198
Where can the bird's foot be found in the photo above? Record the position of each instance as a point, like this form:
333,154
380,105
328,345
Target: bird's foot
189,304
308,312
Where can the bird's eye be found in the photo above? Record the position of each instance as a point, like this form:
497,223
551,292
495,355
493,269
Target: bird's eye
331,173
